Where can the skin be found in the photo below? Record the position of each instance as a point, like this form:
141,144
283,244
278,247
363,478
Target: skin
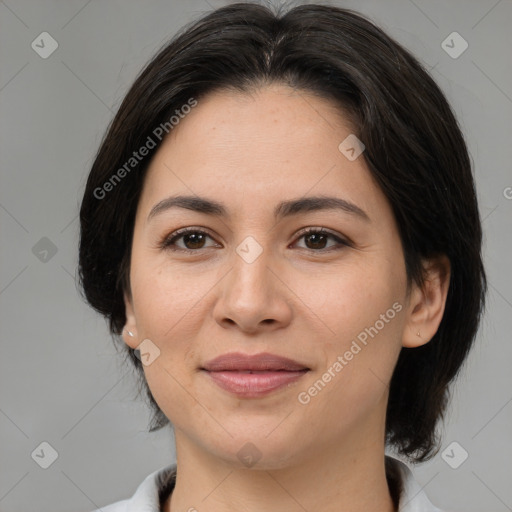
299,299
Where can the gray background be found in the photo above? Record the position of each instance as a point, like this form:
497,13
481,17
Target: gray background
61,380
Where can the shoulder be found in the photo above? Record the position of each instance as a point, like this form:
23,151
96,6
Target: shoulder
149,494
412,496
119,506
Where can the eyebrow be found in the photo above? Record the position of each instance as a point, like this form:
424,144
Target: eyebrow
283,209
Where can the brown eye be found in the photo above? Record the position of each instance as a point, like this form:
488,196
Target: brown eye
318,240
191,240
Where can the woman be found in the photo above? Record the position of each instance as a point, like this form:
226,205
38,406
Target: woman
281,224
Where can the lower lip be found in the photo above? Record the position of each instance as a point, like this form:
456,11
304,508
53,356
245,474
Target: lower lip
253,385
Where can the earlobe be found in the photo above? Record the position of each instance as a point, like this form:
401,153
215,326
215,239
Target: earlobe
129,334
427,304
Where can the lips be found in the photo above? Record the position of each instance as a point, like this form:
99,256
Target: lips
252,376
236,361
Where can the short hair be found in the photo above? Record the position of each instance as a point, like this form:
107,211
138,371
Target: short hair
414,150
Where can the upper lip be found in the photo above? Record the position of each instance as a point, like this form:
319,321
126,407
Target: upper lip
259,362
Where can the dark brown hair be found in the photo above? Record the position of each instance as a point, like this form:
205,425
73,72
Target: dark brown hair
414,150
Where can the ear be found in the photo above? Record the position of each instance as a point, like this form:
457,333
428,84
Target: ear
131,325
426,304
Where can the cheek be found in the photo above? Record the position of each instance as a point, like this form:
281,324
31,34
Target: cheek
165,296
362,315
354,382
350,298
167,304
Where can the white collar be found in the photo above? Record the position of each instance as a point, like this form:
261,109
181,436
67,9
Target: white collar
147,499
413,498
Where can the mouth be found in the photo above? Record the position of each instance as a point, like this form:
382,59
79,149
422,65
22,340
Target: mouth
252,376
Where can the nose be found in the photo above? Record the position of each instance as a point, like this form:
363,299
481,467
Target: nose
252,297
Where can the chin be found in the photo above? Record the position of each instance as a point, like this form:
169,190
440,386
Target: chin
256,452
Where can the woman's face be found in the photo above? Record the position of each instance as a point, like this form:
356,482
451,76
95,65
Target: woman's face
253,282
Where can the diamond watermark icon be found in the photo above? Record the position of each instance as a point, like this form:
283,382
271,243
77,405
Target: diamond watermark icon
454,455
249,250
44,250
249,455
454,45
351,147
147,352
44,45
45,455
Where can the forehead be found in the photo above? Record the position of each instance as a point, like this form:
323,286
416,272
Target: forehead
271,121
273,143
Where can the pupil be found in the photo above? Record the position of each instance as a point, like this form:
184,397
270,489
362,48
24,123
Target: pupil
194,239
316,237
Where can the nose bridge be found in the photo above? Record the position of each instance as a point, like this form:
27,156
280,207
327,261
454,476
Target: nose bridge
250,296
250,274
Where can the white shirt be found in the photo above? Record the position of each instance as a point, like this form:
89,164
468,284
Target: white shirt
147,499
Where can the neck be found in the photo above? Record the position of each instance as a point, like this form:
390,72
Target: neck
349,477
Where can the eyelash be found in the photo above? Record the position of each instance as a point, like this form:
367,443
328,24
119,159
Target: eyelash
168,242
